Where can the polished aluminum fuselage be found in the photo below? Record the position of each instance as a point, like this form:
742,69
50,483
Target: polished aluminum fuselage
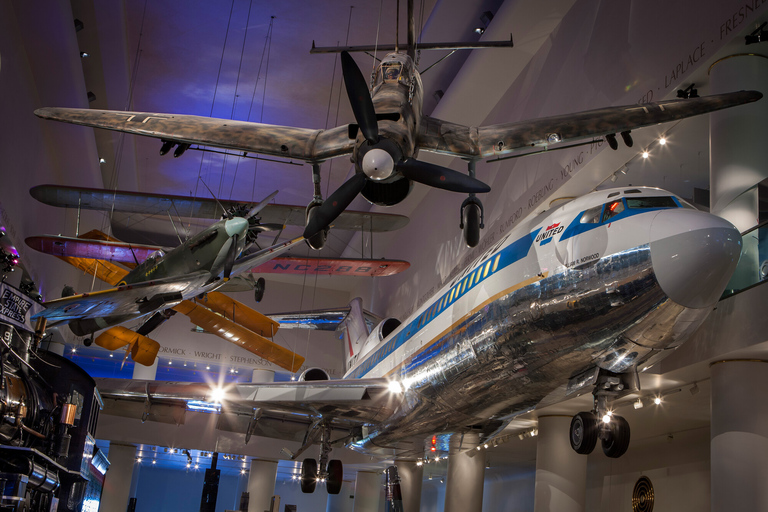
540,307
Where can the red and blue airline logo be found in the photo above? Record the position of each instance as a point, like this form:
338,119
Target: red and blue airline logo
546,236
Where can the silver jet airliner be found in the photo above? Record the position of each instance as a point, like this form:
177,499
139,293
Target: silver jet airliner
579,298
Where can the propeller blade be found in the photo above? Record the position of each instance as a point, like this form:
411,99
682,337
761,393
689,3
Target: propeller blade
323,215
359,98
440,177
267,227
256,209
231,255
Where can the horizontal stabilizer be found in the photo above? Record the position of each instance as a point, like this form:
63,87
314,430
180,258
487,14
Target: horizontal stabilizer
143,350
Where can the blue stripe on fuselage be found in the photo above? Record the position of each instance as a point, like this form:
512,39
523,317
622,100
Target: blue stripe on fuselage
511,254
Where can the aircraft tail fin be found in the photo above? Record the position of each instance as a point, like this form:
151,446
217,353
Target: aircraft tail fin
355,331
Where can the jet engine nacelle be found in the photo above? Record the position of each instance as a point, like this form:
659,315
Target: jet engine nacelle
313,374
381,331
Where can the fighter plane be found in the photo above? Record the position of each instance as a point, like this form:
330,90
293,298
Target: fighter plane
580,298
183,279
390,130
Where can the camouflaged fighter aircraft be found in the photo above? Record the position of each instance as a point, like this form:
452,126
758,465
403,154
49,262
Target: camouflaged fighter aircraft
390,130
183,279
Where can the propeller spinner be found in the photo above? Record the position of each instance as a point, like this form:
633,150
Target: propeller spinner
382,158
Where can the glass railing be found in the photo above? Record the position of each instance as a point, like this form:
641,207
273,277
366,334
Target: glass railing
753,264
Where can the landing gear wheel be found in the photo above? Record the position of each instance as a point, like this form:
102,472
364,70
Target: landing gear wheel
471,223
316,241
258,289
584,431
335,476
88,341
616,442
308,477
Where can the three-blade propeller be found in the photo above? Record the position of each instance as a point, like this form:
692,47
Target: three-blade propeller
379,157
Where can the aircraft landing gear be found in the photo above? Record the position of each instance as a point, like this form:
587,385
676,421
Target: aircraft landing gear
612,429
316,241
258,289
471,215
329,471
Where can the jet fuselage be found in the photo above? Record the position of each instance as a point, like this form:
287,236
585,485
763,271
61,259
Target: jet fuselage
615,279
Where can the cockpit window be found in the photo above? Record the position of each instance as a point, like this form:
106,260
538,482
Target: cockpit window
612,209
651,202
391,71
157,254
591,216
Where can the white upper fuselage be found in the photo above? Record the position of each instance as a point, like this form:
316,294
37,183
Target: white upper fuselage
583,284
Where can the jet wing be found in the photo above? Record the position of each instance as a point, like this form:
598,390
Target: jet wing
198,207
501,139
280,141
357,401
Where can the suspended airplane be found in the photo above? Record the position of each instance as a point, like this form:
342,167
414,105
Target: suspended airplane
183,279
390,130
578,299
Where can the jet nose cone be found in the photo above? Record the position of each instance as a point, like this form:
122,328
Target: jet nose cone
236,226
694,255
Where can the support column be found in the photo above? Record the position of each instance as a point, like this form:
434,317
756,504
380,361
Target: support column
141,372
263,376
341,502
561,473
738,154
117,482
466,474
261,484
367,491
739,436
411,477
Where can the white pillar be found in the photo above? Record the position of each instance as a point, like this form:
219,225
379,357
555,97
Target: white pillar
466,473
738,151
411,477
342,502
561,473
261,484
263,376
367,491
117,482
739,436
141,372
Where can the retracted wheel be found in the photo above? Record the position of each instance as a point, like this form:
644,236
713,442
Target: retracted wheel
335,476
308,478
471,222
88,341
258,289
584,432
616,440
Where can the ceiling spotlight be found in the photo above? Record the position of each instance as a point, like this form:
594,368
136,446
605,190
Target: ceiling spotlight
83,55
638,404
480,31
197,466
154,461
663,141
645,154
657,400
102,161
758,35
188,464
242,471
207,367
607,418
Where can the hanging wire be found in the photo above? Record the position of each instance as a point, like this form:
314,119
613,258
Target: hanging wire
265,53
234,101
213,103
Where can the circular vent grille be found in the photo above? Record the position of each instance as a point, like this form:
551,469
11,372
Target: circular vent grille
642,495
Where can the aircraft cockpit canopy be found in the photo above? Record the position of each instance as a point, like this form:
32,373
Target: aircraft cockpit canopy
605,212
394,69
156,255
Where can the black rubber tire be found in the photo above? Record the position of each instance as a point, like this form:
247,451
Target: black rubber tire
584,432
617,441
88,341
308,478
316,241
471,221
335,476
258,289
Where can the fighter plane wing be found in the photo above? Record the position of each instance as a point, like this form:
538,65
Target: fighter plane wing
280,141
501,139
356,401
205,208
